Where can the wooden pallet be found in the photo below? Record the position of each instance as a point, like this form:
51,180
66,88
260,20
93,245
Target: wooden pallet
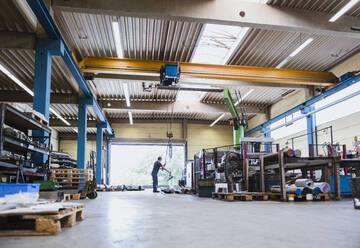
233,196
41,224
71,178
294,197
244,196
75,197
72,171
38,118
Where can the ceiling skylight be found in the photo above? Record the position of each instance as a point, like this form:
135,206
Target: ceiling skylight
218,43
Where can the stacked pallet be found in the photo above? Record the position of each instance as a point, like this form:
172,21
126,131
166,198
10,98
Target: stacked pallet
71,178
241,196
43,219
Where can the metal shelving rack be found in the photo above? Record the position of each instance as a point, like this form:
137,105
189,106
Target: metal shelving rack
17,120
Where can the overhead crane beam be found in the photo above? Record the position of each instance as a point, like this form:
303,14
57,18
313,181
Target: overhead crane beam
225,12
207,71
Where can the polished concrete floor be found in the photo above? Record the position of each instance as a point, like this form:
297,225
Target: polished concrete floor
144,219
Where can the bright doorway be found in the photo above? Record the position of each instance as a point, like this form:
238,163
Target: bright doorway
132,164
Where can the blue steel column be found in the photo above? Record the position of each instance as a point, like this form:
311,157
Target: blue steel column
310,128
108,145
82,126
266,135
99,154
45,48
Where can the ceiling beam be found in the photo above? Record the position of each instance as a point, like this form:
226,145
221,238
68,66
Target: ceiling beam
73,123
178,106
20,97
209,72
227,12
56,123
73,136
17,40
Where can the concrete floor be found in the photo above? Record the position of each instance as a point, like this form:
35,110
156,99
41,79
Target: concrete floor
144,219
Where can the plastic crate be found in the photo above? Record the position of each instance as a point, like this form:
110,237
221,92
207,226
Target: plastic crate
15,188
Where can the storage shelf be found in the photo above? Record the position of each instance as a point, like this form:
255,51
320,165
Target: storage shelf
10,116
21,121
21,146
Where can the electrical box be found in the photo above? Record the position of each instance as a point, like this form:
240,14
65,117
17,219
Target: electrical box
169,74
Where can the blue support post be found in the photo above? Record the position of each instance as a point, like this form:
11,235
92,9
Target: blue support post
310,129
108,162
38,7
82,128
45,49
266,135
99,153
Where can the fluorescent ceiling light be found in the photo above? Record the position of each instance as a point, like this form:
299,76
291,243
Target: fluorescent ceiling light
30,92
237,103
17,81
243,98
118,43
295,52
217,120
75,130
126,93
301,47
130,118
60,117
344,9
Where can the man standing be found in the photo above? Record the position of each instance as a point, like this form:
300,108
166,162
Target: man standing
155,171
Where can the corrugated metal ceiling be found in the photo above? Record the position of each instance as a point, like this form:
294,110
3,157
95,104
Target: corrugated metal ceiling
21,63
70,130
260,96
267,48
112,89
11,18
142,38
70,111
329,6
152,39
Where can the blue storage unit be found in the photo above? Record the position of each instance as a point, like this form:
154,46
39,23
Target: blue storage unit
14,188
269,183
345,187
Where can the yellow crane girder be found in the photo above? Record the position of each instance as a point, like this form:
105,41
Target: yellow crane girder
106,65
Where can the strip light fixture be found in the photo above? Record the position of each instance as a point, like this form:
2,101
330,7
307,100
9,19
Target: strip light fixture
130,118
60,117
236,103
30,92
17,81
295,52
118,43
126,93
343,10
